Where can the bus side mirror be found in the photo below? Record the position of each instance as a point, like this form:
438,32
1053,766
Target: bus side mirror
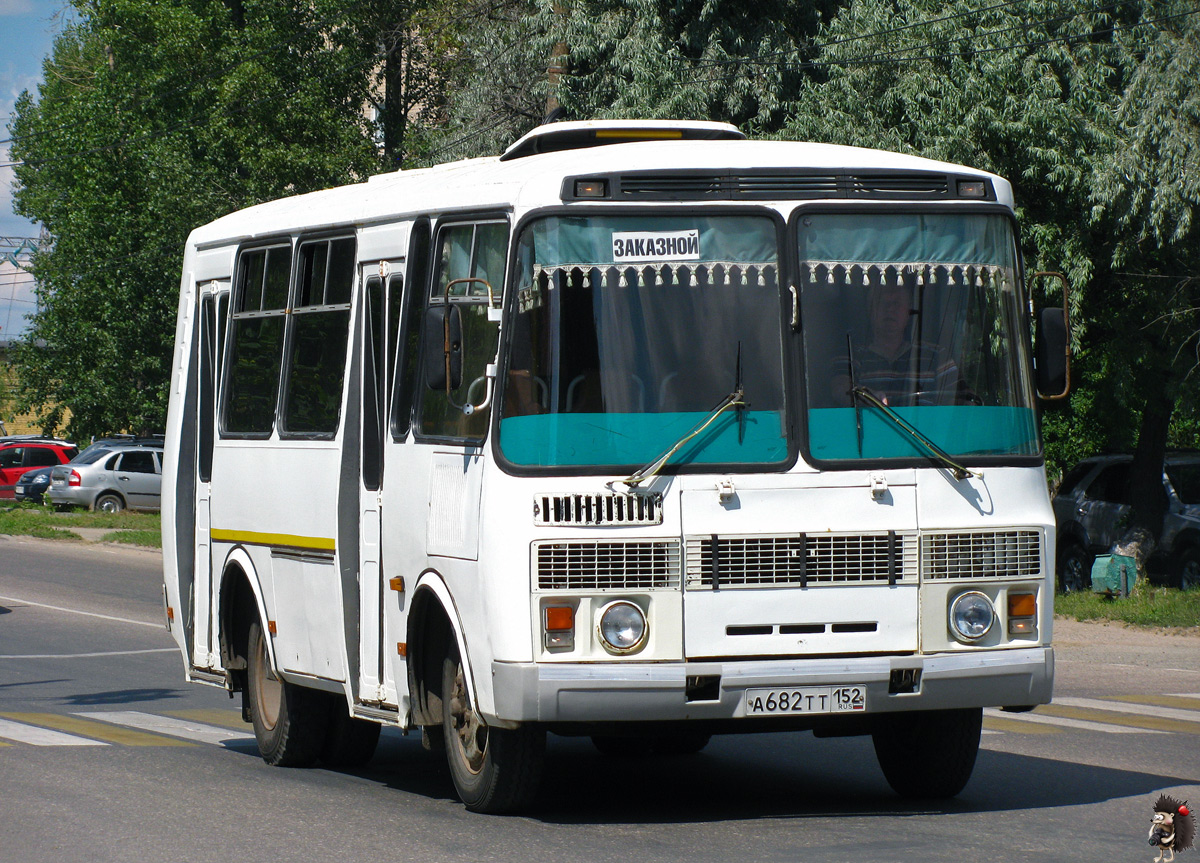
443,337
1052,343
1053,364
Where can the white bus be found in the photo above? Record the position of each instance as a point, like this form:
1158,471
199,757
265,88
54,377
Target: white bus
641,431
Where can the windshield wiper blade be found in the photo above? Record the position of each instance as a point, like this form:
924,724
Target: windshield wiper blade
912,431
735,399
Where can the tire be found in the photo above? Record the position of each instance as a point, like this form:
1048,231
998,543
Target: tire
494,770
928,754
108,502
1074,568
1187,569
349,742
290,722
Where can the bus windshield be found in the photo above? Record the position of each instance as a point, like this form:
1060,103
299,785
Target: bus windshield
630,331
913,319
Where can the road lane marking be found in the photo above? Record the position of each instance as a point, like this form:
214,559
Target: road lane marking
1186,702
98,730
1065,722
189,730
215,716
77,611
1007,722
1153,723
87,655
1138,708
19,732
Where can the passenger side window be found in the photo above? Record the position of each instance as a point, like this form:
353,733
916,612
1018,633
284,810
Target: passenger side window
1112,485
320,329
466,251
137,462
11,457
40,457
256,341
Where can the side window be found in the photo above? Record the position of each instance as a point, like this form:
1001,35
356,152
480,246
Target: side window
316,364
1112,484
111,464
476,250
40,456
12,456
137,461
408,339
256,341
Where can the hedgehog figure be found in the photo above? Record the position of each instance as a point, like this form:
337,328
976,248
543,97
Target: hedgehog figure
1172,829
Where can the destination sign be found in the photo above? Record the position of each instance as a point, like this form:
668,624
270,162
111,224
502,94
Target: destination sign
629,246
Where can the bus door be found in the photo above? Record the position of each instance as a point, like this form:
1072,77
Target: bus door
383,291
214,306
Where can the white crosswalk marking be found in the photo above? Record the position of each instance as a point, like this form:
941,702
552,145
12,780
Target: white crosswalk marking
1064,722
19,732
184,728
1130,707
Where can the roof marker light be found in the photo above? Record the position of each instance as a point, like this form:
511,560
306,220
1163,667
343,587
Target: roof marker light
591,188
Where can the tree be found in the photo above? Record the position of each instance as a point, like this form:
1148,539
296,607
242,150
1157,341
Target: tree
153,118
1058,100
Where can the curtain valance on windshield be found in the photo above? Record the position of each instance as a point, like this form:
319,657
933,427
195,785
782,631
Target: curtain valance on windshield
946,248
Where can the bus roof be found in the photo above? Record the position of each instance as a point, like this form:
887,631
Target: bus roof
536,180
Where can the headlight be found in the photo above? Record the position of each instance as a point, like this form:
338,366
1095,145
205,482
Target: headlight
971,616
622,627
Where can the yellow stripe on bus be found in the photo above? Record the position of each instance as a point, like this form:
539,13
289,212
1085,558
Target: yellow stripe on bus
285,540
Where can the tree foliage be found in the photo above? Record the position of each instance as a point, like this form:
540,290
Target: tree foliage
154,118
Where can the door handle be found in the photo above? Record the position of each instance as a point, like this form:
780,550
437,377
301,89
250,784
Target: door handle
123,478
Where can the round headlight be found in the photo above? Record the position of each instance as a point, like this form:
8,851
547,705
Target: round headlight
971,616
622,627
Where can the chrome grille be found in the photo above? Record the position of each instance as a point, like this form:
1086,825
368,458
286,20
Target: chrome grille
584,565
594,509
982,554
762,561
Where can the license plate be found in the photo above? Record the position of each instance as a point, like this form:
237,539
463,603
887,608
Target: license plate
805,699
20,489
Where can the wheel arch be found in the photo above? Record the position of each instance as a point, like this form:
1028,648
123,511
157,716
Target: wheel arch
114,492
433,626
240,603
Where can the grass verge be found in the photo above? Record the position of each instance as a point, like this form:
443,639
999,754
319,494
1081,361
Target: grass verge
1146,606
20,518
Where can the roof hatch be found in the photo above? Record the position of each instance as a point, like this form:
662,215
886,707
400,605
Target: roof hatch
578,135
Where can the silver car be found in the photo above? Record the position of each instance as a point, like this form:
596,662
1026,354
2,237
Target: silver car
109,479
1092,510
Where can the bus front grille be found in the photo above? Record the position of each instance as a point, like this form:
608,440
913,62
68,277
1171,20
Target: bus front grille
597,509
762,561
982,554
620,565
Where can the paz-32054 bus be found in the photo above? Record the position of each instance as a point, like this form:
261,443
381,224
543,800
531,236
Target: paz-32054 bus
641,431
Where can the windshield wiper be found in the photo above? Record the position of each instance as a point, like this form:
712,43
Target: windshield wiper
736,400
904,425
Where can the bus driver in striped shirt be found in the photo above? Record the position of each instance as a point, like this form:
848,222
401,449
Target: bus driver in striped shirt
897,369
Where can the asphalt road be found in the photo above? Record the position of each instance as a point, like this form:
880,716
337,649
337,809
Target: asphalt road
106,755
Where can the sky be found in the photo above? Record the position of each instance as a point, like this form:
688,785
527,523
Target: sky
27,31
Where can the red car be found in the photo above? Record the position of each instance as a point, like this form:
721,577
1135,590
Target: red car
21,453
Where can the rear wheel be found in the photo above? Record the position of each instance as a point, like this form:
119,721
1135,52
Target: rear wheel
928,753
494,769
109,502
290,722
1074,568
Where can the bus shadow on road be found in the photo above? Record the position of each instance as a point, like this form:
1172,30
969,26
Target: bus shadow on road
765,776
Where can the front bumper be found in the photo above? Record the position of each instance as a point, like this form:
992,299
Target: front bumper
651,692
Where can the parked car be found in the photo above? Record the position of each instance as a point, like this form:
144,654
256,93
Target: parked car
20,453
110,478
32,484
1092,507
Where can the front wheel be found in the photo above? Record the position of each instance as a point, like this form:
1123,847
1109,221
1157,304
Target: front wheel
928,753
1187,569
494,769
290,722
